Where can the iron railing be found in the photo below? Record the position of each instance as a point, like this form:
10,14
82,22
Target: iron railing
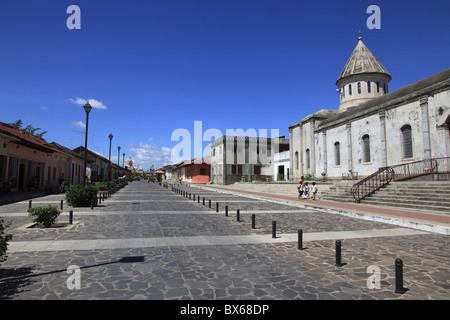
399,172
372,183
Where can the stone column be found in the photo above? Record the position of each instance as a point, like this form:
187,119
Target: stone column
300,153
349,146
312,152
325,160
291,148
382,116
425,127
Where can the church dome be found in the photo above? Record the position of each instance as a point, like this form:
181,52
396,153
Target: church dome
361,62
363,77
129,162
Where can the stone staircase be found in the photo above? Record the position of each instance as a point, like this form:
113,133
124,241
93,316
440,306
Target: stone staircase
417,195
338,191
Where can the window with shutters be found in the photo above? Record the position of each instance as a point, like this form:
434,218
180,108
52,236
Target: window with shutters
308,159
407,141
337,154
366,148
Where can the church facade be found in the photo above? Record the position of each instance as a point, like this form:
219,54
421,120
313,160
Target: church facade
373,127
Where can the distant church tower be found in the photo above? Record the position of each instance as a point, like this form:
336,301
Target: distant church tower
363,78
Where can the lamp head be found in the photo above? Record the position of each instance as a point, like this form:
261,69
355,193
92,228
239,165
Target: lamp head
87,107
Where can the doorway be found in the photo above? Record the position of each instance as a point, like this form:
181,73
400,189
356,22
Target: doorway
280,175
21,176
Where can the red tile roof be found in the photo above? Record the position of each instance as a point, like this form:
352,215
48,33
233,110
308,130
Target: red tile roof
26,139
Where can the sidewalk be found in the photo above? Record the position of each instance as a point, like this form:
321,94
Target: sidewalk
12,197
433,222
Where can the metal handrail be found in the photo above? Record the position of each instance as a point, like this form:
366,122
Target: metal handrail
399,172
372,183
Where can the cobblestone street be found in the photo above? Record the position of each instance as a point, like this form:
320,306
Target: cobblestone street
150,242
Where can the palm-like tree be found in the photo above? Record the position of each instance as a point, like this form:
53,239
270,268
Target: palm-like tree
29,129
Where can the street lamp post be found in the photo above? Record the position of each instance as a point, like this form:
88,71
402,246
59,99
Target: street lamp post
87,107
123,160
109,164
118,157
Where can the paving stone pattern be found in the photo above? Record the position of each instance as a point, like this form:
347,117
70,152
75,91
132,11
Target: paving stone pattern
266,270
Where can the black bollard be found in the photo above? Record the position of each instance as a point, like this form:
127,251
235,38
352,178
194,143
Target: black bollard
92,204
198,199
209,203
217,207
29,204
274,229
193,197
300,239
203,200
238,216
253,220
399,277
71,217
338,254
62,204
226,211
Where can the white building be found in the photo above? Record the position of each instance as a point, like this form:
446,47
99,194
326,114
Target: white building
373,127
239,158
281,166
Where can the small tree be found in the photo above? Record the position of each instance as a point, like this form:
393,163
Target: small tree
45,215
79,196
4,238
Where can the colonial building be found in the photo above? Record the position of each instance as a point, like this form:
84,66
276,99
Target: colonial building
373,127
23,159
239,158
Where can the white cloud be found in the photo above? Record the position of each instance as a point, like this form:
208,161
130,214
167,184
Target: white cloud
149,154
44,108
93,102
166,151
79,124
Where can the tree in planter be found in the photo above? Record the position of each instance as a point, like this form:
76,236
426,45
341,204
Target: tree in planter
4,238
80,196
44,215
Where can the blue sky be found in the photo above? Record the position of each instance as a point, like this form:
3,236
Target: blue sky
151,67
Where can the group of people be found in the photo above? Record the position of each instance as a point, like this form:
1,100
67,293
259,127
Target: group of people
305,191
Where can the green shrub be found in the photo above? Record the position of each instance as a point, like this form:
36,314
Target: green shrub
4,238
44,215
102,186
80,196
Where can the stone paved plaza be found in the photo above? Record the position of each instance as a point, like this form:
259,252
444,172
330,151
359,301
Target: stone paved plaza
150,242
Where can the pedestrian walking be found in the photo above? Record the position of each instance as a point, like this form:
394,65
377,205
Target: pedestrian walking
349,175
314,190
300,187
306,191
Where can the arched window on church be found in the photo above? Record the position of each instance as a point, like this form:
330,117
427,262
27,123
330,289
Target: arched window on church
378,87
350,89
366,148
296,160
369,89
337,153
359,87
407,141
308,159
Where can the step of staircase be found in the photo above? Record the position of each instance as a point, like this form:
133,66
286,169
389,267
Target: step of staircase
419,195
